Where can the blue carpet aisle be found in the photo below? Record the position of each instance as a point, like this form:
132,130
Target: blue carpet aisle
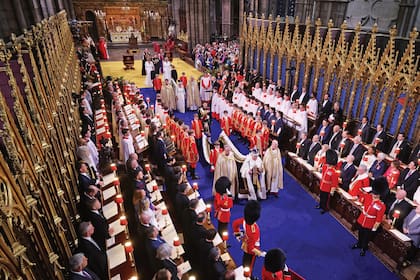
317,246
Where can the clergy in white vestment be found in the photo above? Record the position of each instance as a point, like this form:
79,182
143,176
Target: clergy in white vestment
149,66
273,169
312,106
252,171
226,166
180,97
166,66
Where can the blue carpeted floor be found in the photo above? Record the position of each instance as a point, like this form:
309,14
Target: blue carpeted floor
317,246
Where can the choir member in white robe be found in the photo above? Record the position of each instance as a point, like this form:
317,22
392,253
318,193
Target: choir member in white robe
166,65
149,66
285,105
302,119
273,167
205,88
180,98
92,148
127,144
312,107
252,171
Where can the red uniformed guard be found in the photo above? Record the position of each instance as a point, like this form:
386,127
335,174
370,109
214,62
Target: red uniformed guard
226,123
369,220
223,202
329,181
250,233
184,79
214,154
275,265
191,155
197,126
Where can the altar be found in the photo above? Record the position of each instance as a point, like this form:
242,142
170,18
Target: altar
124,36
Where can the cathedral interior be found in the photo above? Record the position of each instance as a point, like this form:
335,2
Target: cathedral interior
361,54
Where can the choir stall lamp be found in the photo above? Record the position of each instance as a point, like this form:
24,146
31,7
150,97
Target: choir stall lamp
208,210
128,246
225,238
247,273
124,223
195,188
165,214
395,216
116,184
177,243
119,200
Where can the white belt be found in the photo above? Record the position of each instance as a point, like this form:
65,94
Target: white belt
225,209
369,216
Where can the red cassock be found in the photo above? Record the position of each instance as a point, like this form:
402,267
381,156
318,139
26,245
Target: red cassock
266,137
373,212
223,204
185,143
226,124
184,81
329,179
257,142
356,186
258,126
250,128
191,152
157,83
235,116
214,154
251,237
197,126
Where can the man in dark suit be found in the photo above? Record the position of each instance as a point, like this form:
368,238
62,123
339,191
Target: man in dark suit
181,201
314,148
357,150
78,270
84,178
85,199
139,243
102,230
324,131
409,179
198,232
336,114
304,97
161,153
87,120
295,94
364,129
205,245
411,228
304,146
379,166
98,261
335,139
401,205
379,137
325,107
399,148
345,144
153,242
348,170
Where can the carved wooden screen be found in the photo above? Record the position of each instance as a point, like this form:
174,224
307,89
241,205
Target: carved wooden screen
363,71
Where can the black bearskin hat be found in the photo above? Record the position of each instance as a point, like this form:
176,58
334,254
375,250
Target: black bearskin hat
222,184
252,212
275,260
331,157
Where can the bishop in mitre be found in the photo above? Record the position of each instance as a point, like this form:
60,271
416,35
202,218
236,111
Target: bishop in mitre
252,171
273,169
226,166
167,95
193,95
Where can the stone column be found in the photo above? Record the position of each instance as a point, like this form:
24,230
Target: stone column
212,16
50,7
44,8
226,18
20,16
408,10
36,10
175,15
264,7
